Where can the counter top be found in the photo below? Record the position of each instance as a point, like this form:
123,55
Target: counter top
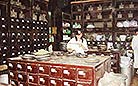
90,61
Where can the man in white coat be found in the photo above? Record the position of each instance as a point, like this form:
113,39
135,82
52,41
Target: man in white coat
135,49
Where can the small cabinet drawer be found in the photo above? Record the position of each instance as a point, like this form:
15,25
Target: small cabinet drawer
13,83
43,69
22,77
56,71
32,84
12,65
85,74
84,84
68,83
12,74
22,84
32,68
69,73
21,66
43,80
33,78
55,82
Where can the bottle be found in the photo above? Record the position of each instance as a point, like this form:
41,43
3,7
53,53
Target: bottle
121,5
130,14
99,16
131,5
119,15
88,16
50,48
90,8
99,7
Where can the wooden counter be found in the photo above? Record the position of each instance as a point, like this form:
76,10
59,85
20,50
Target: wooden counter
115,58
58,71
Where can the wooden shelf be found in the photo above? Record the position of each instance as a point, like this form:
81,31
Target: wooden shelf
107,9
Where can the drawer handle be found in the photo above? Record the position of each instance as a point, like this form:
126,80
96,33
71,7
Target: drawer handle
2,19
11,74
31,78
29,67
13,83
79,85
112,62
20,76
82,73
53,70
41,68
21,84
19,66
111,55
66,84
10,64
53,82
22,20
66,72
42,80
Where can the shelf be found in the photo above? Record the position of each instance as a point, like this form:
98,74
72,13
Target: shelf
79,21
90,1
42,1
99,11
40,11
75,12
66,30
65,20
66,17
20,8
104,16
21,34
97,20
123,42
123,19
127,9
127,28
125,1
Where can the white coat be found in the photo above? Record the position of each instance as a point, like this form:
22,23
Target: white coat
77,46
135,49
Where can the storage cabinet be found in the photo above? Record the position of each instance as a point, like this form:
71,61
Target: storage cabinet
125,23
66,27
106,23
28,25
77,15
20,9
44,73
97,22
4,49
95,18
23,27
20,33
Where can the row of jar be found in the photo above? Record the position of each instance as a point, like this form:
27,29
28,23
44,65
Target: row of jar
108,6
21,14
